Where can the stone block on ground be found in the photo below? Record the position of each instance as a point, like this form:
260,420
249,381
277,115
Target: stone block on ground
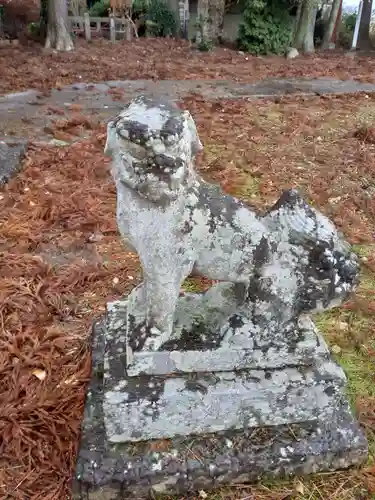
292,53
116,471
12,152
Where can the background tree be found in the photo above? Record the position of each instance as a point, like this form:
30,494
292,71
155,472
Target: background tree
54,25
331,24
210,16
364,41
43,19
305,26
203,35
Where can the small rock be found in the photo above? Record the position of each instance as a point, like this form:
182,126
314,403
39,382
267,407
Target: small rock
292,53
240,53
57,142
40,374
336,349
343,326
334,200
95,237
12,153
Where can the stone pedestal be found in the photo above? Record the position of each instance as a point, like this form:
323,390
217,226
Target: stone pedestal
195,391
177,421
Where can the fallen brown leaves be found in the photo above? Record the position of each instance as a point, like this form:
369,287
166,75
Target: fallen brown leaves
27,67
59,255
366,134
256,149
61,260
292,143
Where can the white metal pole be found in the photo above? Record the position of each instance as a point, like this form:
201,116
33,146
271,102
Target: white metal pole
357,23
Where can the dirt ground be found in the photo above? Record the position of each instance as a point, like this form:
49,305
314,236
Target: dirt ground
61,260
25,67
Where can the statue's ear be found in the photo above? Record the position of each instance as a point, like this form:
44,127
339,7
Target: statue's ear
111,139
196,145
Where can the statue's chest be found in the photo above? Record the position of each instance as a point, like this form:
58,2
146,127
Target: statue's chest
141,219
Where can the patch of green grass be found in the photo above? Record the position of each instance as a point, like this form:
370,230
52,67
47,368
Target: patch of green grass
364,251
350,334
359,369
249,188
213,151
192,285
365,115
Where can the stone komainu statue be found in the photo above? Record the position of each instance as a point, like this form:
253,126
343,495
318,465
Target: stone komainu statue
288,262
211,369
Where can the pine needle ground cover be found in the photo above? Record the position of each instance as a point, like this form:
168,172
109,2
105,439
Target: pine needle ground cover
61,260
25,67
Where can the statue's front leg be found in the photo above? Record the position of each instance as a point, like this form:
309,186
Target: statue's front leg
152,306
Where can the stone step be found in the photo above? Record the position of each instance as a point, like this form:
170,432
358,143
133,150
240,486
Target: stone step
148,407
138,470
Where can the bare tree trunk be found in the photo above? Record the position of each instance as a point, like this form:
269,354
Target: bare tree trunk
330,26
58,36
364,41
43,19
304,37
184,16
203,24
337,25
216,13
297,20
308,41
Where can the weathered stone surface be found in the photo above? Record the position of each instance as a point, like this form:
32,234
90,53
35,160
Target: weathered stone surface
12,152
291,261
205,373
201,399
179,465
198,346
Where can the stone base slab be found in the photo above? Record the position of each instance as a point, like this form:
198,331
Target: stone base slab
179,465
12,152
244,349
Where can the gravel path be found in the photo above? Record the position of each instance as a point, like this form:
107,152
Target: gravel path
28,114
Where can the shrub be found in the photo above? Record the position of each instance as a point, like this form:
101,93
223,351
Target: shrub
205,45
100,9
160,19
266,27
17,14
34,28
346,31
